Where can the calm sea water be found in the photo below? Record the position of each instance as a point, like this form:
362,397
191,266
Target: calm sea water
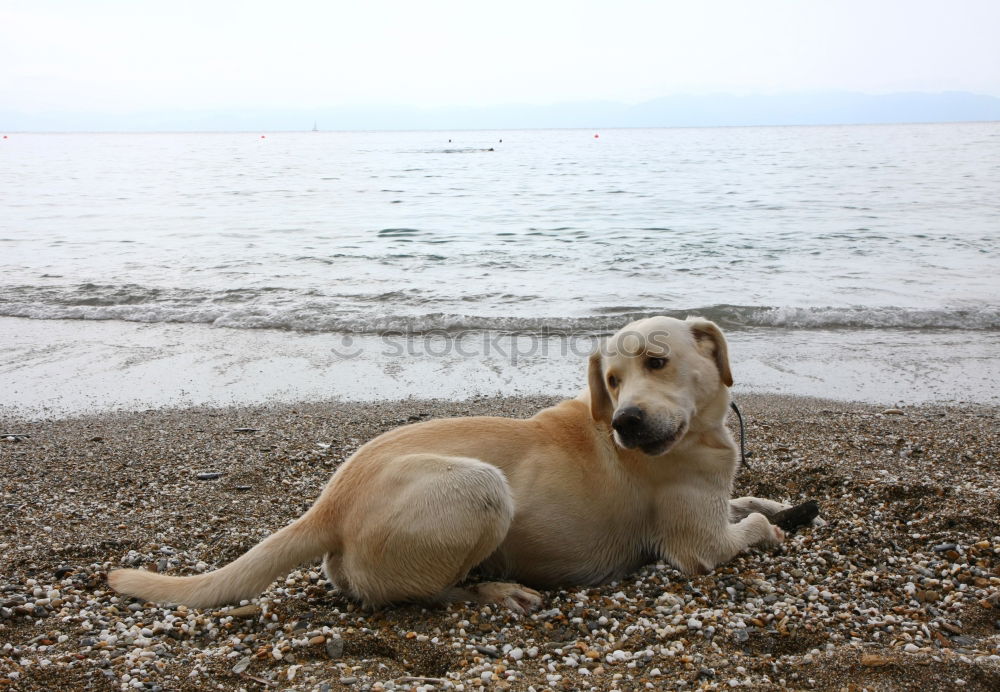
803,228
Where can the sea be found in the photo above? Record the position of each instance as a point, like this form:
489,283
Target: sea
147,270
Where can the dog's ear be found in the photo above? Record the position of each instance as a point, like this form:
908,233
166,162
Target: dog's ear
600,401
712,344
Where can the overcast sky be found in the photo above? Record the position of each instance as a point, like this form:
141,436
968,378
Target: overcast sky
145,55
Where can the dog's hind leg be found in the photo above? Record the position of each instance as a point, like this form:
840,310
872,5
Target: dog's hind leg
515,597
429,519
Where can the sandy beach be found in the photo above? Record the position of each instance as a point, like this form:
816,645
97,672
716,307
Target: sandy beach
901,590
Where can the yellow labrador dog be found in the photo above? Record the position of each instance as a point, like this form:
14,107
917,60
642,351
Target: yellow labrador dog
638,467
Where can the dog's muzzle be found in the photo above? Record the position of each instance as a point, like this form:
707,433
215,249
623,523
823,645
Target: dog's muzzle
634,430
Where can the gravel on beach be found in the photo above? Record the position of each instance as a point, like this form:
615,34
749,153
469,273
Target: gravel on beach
900,590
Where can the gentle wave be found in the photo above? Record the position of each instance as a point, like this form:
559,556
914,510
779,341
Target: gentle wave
877,317
286,309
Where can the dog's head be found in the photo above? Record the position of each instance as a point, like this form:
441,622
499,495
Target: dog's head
653,380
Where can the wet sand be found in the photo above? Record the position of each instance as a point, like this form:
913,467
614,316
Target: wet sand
58,368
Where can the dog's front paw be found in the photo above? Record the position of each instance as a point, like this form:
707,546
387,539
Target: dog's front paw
763,532
777,535
768,534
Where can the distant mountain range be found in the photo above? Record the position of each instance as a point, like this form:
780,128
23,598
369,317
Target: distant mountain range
715,110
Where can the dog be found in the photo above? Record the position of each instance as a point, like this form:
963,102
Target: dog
637,468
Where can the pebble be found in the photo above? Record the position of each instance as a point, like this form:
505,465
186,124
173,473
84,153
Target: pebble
334,647
854,582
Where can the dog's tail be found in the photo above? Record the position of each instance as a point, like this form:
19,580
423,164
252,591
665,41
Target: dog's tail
244,578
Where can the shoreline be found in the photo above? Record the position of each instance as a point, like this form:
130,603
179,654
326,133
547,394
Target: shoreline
55,368
900,589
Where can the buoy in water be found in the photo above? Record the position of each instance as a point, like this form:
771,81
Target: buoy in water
596,136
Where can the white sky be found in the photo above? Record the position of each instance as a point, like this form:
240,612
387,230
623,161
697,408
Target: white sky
146,55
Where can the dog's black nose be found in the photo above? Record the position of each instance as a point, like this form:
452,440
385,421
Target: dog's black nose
628,421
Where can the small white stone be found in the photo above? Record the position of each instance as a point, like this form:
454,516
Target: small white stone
694,624
911,648
516,653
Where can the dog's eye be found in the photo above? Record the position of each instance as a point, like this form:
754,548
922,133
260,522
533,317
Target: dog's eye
612,381
657,363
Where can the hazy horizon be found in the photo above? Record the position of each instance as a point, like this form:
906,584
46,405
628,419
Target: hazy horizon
713,110
118,65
